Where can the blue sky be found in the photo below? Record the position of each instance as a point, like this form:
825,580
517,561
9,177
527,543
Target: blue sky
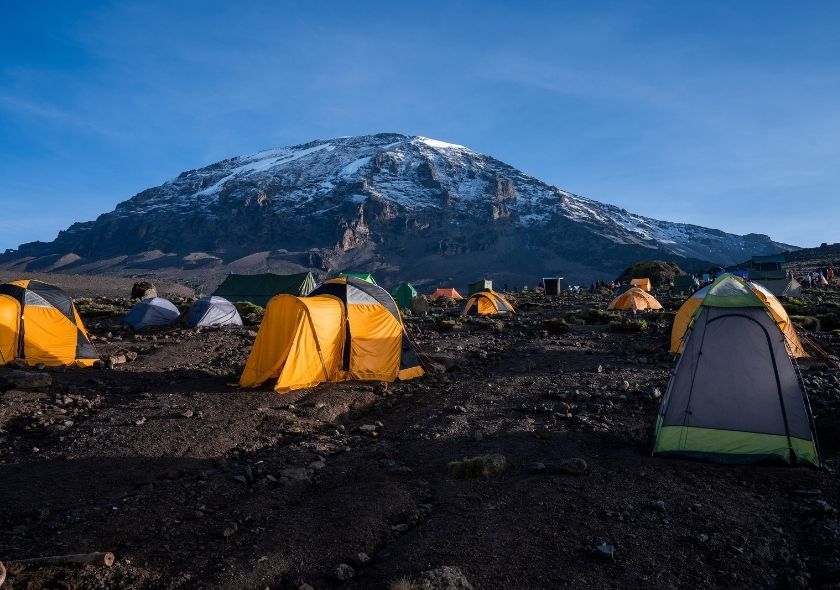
725,114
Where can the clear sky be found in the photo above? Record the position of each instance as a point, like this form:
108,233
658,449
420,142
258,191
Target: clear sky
725,114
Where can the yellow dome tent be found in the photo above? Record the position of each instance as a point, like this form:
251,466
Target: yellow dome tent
723,287
487,303
346,329
634,299
39,324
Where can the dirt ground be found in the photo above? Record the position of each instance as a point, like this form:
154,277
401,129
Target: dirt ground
193,483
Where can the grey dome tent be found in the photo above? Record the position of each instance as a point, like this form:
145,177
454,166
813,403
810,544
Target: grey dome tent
735,396
212,311
154,311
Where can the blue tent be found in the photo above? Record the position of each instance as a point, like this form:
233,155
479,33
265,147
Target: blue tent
154,311
212,311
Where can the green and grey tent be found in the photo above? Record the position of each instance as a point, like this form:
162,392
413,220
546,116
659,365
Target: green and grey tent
258,289
735,396
365,276
404,295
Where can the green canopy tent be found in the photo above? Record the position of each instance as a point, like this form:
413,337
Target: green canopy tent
365,276
404,295
478,286
734,396
258,289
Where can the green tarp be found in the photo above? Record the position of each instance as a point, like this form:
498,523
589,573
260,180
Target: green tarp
258,289
365,276
478,286
404,295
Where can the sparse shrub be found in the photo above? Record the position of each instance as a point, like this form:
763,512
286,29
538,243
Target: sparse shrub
829,322
402,584
628,325
807,322
556,326
483,466
247,308
591,317
447,325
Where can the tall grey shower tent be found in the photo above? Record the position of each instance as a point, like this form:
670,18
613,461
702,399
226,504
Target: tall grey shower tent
735,396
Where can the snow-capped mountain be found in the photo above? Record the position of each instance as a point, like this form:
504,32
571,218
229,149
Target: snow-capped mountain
406,206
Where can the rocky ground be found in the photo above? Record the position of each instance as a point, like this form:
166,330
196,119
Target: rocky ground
193,483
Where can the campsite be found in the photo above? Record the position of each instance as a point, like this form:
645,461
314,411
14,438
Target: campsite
522,458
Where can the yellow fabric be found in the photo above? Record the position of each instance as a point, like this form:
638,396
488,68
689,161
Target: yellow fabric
780,316
49,337
686,312
9,319
299,343
634,299
681,321
375,342
641,283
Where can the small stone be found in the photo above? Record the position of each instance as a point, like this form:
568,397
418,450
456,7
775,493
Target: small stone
117,359
343,572
131,355
400,528
574,466
625,386
702,537
600,368
367,428
28,379
36,450
361,559
188,413
605,550
459,409
658,505
140,421
536,467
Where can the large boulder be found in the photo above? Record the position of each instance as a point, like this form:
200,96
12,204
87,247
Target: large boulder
660,272
143,290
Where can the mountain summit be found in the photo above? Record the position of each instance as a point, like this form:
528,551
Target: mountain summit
398,205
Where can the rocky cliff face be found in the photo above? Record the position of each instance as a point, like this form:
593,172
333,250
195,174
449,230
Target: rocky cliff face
402,206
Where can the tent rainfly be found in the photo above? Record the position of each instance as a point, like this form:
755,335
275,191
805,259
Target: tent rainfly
365,276
735,396
347,329
258,289
154,311
446,292
634,299
404,295
212,311
719,289
40,324
487,303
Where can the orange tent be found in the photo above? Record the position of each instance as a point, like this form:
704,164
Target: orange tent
634,299
448,292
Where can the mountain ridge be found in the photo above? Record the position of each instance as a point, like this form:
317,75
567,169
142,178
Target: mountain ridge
409,207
